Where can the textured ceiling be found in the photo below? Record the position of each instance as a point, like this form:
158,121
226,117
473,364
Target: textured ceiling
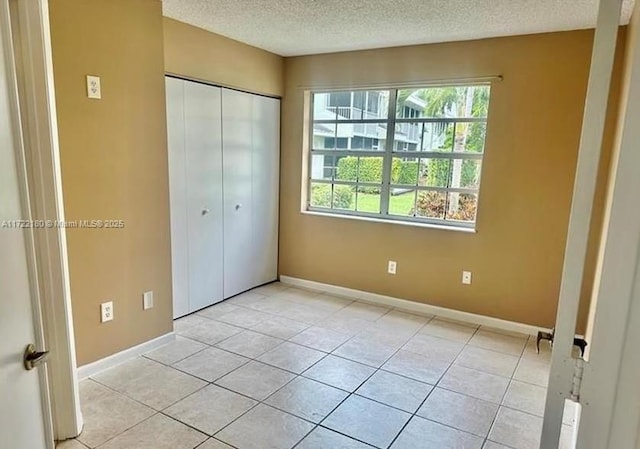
299,27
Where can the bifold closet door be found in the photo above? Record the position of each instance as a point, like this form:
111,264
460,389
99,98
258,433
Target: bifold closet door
237,128
266,183
203,138
195,175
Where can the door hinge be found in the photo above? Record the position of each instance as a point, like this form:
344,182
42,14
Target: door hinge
579,342
576,383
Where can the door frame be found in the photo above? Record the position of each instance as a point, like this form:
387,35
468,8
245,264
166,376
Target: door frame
610,388
34,109
563,363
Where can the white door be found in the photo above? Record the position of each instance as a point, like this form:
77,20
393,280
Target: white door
566,366
266,183
204,193
610,391
21,407
195,176
238,173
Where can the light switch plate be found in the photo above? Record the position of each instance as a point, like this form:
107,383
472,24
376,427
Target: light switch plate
94,89
106,311
147,300
466,277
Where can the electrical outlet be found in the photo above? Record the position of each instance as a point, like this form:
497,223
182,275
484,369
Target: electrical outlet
391,268
466,277
93,87
106,311
147,300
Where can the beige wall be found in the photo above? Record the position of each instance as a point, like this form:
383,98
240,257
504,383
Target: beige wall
113,154
532,142
198,54
114,166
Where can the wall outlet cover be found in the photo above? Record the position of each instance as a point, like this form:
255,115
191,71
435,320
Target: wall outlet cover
94,90
106,311
466,277
392,267
147,300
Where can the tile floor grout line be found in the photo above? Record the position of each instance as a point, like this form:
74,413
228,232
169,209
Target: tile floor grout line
170,405
354,393
411,418
377,369
255,359
342,402
233,421
121,393
347,436
161,411
201,445
495,418
361,333
415,414
217,378
208,384
220,341
372,374
124,431
208,437
258,402
180,360
452,364
305,436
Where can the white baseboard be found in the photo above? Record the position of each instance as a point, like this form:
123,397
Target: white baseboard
90,369
413,306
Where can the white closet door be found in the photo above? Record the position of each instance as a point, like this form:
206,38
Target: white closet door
178,195
203,140
237,163
266,182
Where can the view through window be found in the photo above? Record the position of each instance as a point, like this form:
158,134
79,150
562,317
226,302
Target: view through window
430,172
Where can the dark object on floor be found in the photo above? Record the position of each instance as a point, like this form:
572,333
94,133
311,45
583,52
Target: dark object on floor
579,342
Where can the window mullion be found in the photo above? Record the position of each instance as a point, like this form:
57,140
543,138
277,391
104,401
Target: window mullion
388,153
310,155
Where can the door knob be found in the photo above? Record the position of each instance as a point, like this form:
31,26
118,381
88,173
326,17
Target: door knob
238,206
205,212
33,358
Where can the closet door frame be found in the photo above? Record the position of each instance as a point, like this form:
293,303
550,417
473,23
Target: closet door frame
176,155
255,275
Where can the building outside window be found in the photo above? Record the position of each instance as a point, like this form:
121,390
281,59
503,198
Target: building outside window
430,171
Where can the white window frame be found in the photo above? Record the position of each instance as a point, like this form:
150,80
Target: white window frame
388,155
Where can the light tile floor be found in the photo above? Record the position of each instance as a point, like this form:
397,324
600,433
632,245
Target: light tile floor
281,367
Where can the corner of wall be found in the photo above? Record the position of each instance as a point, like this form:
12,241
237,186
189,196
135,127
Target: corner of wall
195,53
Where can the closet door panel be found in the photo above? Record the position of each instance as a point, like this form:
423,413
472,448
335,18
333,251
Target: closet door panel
177,195
204,193
237,160
266,182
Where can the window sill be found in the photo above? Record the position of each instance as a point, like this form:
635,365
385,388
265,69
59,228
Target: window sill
391,221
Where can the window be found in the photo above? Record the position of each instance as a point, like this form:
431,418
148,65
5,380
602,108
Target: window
399,154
